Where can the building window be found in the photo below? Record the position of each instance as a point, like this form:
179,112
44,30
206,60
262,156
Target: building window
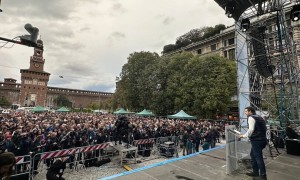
231,41
271,44
224,43
199,51
225,54
213,47
231,54
288,23
270,29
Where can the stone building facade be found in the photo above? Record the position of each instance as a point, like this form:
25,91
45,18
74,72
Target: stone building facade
33,89
222,44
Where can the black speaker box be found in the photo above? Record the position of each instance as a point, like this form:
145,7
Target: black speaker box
264,68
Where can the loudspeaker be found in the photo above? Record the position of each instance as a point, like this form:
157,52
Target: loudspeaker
166,150
293,146
264,68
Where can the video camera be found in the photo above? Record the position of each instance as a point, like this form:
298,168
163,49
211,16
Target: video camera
122,122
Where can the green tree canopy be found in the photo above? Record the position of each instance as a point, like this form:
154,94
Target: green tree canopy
209,84
200,85
135,79
192,36
62,100
4,102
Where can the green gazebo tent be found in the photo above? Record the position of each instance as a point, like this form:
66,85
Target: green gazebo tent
39,109
122,111
63,109
181,115
145,113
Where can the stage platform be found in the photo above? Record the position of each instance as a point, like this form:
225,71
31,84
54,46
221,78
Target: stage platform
211,164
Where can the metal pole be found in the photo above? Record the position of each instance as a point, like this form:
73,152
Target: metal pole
30,44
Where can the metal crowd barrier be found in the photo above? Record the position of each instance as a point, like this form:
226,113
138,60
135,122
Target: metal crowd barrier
28,166
22,167
77,156
145,146
164,146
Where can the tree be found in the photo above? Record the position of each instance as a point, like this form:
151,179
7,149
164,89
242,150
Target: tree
193,36
209,84
169,48
4,102
62,100
200,85
134,79
168,81
93,106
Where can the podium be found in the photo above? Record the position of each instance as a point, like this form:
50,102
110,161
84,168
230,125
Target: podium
293,146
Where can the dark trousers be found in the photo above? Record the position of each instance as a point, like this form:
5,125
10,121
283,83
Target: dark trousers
256,155
197,146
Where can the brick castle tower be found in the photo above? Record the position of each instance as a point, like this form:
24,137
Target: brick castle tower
34,81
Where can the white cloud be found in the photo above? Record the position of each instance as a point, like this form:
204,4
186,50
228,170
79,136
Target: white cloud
88,41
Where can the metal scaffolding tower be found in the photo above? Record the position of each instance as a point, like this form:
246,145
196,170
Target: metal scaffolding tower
266,54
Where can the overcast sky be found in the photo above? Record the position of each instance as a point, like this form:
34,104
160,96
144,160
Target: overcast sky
88,41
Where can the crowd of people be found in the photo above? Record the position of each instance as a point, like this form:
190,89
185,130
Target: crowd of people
32,133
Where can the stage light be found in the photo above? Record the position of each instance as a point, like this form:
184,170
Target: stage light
295,13
229,9
245,24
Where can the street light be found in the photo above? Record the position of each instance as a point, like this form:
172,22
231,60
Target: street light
245,24
295,13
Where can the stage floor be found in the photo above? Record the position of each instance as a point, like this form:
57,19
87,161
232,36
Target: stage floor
212,165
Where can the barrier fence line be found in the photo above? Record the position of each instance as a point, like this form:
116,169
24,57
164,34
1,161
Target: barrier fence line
164,146
27,164
20,159
23,166
77,153
144,141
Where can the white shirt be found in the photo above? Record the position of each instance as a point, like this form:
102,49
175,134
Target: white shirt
251,123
